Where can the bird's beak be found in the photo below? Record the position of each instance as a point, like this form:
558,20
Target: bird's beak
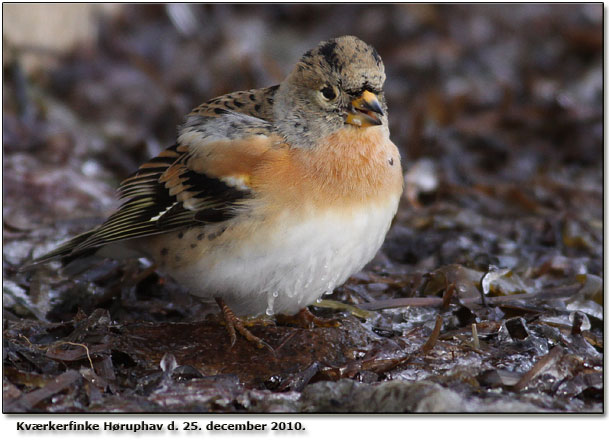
365,111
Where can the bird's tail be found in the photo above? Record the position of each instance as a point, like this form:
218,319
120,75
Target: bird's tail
67,249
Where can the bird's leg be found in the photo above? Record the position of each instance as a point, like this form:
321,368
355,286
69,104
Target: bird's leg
306,319
235,324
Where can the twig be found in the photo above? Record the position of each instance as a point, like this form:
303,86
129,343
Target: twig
337,305
80,345
578,320
28,341
57,344
560,292
543,363
433,338
448,294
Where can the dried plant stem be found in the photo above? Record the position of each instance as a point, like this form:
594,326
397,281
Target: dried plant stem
475,340
433,338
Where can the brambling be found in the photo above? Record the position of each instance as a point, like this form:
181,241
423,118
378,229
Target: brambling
271,197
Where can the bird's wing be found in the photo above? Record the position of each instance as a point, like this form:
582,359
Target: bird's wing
202,179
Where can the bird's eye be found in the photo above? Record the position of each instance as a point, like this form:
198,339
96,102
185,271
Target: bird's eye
329,93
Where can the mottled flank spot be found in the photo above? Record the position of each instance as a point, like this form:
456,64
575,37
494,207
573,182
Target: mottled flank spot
181,235
391,161
193,245
200,236
257,107
269,100
214,235
238,104
164,251
220,111
178,257
252,97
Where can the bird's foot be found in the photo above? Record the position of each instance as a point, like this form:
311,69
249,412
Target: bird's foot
236,325
306,319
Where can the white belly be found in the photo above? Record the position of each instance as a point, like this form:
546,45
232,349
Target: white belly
294,267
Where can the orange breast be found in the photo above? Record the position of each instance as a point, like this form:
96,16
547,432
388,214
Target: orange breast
349,168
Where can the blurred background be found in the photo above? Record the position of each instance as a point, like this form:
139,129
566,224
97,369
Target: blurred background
498,113
497,109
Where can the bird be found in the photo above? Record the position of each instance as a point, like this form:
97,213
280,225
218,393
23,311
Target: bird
271,197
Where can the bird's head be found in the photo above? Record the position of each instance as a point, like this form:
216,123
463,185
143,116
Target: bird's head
338,84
